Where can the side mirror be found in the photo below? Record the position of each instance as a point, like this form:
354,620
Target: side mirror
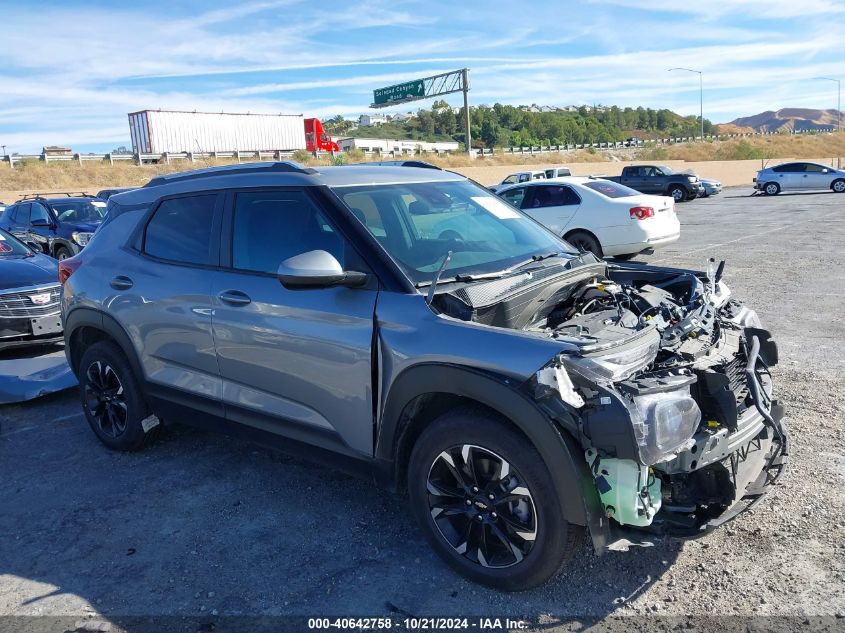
316,269
40,222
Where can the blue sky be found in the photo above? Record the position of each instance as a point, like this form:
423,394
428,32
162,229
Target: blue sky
71,70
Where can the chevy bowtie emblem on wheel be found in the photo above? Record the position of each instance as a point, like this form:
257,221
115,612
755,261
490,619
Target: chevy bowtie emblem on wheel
40,299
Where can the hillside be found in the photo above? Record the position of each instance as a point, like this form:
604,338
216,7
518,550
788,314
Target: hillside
788,120
505,125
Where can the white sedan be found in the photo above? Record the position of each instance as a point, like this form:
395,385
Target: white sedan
604,217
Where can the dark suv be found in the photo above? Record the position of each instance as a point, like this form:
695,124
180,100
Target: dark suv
522,392
57,226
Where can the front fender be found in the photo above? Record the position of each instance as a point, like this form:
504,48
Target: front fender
559,451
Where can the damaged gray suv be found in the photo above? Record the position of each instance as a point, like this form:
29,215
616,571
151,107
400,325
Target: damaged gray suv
405,322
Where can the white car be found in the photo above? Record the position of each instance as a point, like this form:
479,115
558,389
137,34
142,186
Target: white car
597,215
518,177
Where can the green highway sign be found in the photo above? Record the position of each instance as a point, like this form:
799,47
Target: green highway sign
400,92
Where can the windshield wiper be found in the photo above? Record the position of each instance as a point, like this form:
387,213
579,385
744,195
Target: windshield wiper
434,281
534,259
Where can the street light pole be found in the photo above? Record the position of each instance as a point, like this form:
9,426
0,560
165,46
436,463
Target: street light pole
700,93
838,101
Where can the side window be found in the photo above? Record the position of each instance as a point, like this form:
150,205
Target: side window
813,168
554,196
38,212
180,230
11,214
515,196
550,173
524,177
271,226
509,180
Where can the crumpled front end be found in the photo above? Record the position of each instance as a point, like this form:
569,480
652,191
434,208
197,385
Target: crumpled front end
678,422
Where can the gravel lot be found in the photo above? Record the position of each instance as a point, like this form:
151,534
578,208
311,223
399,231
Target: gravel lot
199,525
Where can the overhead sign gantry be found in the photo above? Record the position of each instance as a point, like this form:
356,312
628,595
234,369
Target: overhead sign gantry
427,88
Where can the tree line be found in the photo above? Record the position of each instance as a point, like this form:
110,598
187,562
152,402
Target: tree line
505,125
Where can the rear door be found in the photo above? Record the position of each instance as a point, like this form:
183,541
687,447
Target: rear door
161,296
19,221
554,206
295,363
790,175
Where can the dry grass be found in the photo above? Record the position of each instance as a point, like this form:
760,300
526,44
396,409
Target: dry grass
90,176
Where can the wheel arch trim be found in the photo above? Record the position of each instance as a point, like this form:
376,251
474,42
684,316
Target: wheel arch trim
88,317
560,452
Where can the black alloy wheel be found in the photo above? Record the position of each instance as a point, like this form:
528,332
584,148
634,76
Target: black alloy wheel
112,398
481,506
105,399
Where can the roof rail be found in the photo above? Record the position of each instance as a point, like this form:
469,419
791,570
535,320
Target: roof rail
44,196
241,168
400,163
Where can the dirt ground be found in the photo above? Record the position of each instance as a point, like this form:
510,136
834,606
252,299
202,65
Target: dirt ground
207,528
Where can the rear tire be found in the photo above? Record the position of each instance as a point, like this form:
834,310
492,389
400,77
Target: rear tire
112,399
585,242
506,531
771,188
838,185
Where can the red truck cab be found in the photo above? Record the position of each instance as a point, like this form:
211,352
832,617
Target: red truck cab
316,139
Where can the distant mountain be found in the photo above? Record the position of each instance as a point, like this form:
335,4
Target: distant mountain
788,119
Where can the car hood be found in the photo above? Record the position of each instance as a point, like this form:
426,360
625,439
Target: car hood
88,227
19,272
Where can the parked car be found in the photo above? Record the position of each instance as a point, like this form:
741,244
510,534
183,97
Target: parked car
105,194
660,180
58,226
600,216
711,187
523,393
558,172
29,296
521,176
799,175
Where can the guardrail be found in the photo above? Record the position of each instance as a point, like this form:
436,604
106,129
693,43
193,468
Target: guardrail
546,149
237,155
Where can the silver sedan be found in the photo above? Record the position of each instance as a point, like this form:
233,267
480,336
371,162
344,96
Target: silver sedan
799,176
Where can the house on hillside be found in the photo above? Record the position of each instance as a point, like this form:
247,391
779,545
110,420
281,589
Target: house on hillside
369,120
56,150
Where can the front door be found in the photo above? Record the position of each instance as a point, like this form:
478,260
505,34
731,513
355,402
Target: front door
295,363
19,222
41,226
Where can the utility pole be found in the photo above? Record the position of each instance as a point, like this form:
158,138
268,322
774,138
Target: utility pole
465,82
838,101
700,91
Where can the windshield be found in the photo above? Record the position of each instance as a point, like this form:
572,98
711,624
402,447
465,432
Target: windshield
80,210
610,189
10,247
667,171
419,223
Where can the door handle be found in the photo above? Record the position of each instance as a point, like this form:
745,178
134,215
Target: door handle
234,297
121,282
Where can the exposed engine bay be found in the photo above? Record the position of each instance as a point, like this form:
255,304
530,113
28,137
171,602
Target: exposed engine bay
663,378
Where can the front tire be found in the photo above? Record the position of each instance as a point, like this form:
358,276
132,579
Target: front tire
62,252
678,193
838,186
111,398
772,188
487,503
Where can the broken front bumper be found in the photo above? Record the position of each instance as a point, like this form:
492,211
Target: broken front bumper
722,477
